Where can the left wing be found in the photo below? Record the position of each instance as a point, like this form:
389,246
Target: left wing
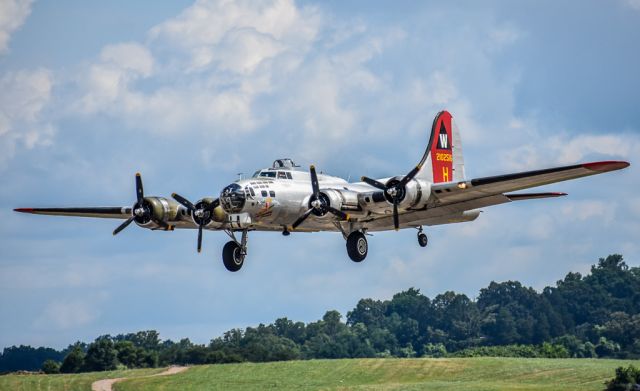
475,189
455,202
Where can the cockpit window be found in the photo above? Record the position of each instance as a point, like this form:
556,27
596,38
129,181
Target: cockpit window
255,174
268,174
282,175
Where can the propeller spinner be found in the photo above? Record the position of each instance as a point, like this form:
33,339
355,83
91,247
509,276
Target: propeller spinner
318,202
394,191
202,213
141,210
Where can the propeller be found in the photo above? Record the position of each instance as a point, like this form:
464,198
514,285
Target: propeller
141,211
202,213
319,203
394,191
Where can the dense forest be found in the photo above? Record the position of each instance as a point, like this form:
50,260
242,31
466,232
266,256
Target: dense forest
597,315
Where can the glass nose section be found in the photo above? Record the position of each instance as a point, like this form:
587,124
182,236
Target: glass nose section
232,198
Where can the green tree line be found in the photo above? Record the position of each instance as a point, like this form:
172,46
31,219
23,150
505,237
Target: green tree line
597,315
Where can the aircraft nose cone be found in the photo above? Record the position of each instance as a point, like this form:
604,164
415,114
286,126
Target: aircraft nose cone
232,198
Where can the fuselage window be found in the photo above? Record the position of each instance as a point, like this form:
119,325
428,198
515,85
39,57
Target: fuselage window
253,193
282,175
264,193
289,175
272,193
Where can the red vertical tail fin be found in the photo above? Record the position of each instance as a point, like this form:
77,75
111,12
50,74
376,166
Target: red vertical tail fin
443,160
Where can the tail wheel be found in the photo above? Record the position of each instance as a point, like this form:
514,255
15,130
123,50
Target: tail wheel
357,246
232,256
423,240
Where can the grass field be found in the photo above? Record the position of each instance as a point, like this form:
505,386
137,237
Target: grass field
367,374
78,382
391,374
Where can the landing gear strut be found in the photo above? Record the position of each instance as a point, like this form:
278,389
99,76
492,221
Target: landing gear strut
423,240
357,246
234,252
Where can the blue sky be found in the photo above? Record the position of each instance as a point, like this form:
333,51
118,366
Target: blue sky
190,94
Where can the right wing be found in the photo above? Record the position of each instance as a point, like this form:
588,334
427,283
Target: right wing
108,212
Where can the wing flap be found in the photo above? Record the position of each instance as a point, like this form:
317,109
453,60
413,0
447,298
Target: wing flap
108,212
533,196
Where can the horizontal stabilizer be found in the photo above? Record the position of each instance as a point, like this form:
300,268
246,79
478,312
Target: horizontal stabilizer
533,196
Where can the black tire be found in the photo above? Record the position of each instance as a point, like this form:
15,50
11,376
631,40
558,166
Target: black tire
231,256
423,240
357,246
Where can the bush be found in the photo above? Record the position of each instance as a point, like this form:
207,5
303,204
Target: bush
73,362
434,350
626,379
51,367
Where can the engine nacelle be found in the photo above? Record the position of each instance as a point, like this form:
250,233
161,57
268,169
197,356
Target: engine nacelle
345,200
160,209
417,194
218,214
414,195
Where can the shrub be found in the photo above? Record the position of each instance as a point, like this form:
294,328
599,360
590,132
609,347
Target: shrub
51,367
626,379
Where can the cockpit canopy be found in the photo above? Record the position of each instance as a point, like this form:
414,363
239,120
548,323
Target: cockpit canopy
281,169
284,163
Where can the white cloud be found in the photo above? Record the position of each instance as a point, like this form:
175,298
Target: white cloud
13,13
501,36
580,147
107,81
233,49
241,34
569,149
634,4
71,313
23,98
129,56
590,209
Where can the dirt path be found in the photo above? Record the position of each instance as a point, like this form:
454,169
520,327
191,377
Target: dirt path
106,384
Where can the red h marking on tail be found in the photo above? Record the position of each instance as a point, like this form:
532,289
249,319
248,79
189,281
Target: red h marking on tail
441,149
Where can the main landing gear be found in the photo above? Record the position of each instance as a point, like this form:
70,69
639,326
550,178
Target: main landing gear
357,246
234,252
423,240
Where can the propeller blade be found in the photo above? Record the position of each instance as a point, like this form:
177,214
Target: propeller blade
339,213
123,225
301,219
185,202
408,177
396,217
314,181
200,238
374,183
139,189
